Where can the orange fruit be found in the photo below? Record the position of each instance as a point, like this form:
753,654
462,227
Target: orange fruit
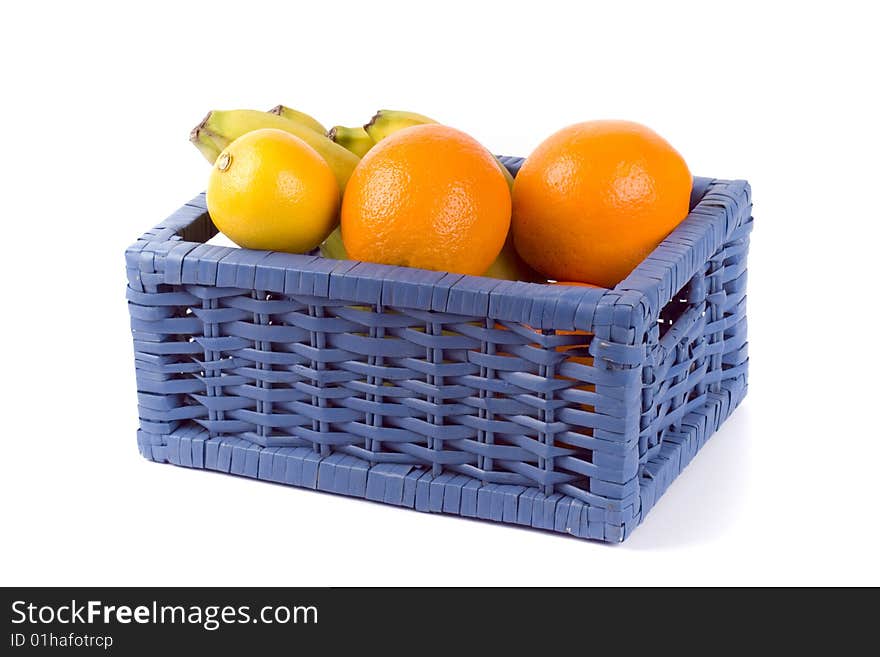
594,199
271,190
427,196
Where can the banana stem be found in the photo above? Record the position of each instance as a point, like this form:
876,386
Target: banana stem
209,143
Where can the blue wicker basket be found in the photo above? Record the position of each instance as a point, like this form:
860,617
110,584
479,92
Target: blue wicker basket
561,408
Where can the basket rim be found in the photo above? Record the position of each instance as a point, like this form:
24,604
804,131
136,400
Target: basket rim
718,208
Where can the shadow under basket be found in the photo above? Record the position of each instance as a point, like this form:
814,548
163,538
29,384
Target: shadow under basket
561,408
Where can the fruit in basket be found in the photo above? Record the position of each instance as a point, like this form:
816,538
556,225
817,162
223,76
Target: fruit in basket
509,266
429,196
211,140
302,118
594,199
270,190
357,140
333,247
221,127
386,122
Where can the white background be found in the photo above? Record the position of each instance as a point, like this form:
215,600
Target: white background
98,103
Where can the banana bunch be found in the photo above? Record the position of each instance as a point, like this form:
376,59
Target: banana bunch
221,127
341,147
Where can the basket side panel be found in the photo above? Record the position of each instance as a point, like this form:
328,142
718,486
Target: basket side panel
444,412
724,206
697,368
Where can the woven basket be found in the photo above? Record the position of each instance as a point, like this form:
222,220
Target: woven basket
563,408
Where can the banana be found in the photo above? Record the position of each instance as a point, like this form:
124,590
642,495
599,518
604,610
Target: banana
206,143
333,247
354,139
507,175
509,266
387,122
221,127
299,117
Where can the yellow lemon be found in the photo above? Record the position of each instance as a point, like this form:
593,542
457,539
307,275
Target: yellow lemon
270,190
